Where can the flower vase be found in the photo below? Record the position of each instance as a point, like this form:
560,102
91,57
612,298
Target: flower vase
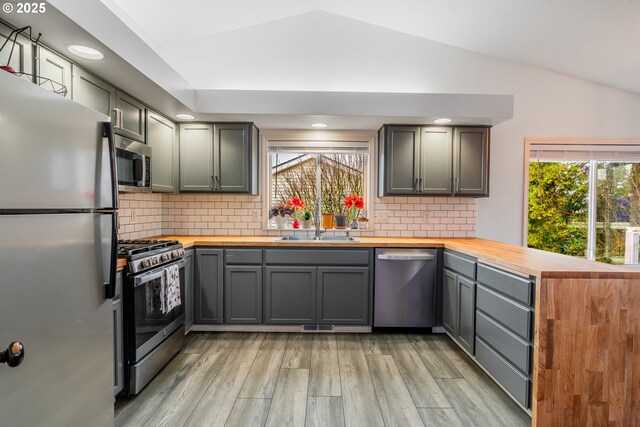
306,223
296,224
281,222
353,225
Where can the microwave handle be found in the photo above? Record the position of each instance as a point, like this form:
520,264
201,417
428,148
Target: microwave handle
107,132
143,178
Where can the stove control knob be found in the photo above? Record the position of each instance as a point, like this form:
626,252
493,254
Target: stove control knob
165,257
181,252
145,263
154,260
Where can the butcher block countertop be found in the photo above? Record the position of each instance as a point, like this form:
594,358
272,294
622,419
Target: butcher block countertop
517,258
586,329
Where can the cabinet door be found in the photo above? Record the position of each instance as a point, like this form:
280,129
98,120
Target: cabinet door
402,153
54,67
436,146
118,355
161,136
208,295
450,302
196,157
231,157
471,161
92,92
188,289
343,296
132,117
243,294
22,57
290,295
466,312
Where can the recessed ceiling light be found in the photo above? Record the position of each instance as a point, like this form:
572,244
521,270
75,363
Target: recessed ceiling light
318,125
442,121
182,116
85,52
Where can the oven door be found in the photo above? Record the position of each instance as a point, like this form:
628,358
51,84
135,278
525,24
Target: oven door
151,325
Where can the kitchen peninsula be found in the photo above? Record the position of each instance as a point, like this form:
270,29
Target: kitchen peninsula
585,361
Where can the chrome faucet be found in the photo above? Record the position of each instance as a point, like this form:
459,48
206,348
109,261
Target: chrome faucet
317,219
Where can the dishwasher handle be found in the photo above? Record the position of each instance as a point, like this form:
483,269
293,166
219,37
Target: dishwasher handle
406,257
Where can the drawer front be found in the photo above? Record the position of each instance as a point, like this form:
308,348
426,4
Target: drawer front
507,375
517,287
516,350
243,256
460,264
509,313
332,256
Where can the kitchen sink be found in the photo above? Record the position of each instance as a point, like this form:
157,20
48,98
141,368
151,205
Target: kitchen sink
316,239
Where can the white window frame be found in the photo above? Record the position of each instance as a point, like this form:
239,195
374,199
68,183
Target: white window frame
561,145
325,137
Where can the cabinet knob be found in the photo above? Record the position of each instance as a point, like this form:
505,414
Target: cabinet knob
13,355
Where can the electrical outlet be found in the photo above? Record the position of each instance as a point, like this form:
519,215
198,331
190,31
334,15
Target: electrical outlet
133,215
427,216
255,215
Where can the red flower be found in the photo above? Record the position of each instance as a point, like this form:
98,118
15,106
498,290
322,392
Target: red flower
354,200
296,203
360,203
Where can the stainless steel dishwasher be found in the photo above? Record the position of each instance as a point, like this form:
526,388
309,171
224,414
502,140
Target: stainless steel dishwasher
405,288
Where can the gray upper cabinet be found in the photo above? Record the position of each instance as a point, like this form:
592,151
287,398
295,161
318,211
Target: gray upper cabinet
22,57
402,159
220,157
435,160
471,161
196,152
129,117
432,160
208,286
344,296
92,92
290,295
231,157
161,137
54,67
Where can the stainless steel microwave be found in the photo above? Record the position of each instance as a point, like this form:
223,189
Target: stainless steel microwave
133,165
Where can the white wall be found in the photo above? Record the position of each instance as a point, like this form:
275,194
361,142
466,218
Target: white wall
546,104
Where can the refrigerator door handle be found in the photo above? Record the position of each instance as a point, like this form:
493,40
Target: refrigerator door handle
107,132
108,244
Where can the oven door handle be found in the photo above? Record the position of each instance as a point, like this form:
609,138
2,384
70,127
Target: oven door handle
147,277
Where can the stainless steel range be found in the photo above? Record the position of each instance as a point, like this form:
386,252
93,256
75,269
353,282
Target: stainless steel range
153,334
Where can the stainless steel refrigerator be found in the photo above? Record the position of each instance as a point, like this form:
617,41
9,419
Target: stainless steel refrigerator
58,218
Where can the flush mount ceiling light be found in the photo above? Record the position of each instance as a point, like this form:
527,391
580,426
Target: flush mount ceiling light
182,116
85,52
442,121
318,125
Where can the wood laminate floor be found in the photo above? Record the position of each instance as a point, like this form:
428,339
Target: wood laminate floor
278,379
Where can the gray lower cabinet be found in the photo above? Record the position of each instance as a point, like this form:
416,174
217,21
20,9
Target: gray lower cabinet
189,288
118,348
459,298
209,274
290,295
466,312
53,67
243,294
450,302
92,92
344,296
129,118
161,137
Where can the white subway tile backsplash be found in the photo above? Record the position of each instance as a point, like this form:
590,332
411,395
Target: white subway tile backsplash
144,215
